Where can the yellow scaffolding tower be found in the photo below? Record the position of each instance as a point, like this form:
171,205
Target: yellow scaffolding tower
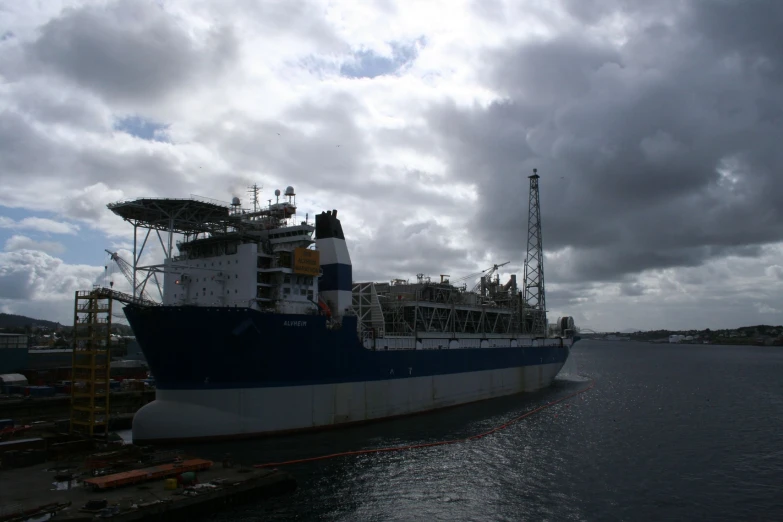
91,363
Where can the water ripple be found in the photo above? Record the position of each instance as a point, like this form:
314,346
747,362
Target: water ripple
669,433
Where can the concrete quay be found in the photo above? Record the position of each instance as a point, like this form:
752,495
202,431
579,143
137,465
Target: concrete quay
47,486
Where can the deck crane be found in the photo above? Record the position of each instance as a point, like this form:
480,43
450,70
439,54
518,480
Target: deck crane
476,274
127,271
486,278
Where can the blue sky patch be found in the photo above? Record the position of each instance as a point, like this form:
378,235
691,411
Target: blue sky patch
18,214
318,66
86,246
367,64
142,128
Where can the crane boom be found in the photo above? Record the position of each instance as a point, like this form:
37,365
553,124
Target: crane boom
486,277
127,271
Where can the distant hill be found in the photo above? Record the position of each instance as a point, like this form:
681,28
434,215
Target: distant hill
11,323
630,330
20,321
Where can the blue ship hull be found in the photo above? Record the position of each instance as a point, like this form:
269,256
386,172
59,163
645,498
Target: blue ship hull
233,371
213,348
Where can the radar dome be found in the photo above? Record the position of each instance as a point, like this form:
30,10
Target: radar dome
289,191
277,192
235,201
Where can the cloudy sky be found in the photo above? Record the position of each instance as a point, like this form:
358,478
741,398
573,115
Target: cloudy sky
657,128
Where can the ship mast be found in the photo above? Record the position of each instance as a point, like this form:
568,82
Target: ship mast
254,194
535,300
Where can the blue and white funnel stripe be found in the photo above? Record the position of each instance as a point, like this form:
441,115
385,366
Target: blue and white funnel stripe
334,286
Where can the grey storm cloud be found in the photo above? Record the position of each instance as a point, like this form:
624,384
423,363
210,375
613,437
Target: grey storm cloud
334,155
26,150
662,152
334,148
426,247
58,107
130,51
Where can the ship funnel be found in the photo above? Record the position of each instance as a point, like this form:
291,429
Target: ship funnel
334,286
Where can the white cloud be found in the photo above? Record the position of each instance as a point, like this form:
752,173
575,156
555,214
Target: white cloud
40,225
775,272
723,293
17,242
764,308
29,274
34,280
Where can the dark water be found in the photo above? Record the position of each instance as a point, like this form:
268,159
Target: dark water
668,433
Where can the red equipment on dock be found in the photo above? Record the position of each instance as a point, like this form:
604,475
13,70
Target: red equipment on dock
142,475
13,430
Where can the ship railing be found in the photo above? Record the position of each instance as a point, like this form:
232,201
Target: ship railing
205,199
194,197
410,343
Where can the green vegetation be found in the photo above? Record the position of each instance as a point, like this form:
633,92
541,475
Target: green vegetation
760,334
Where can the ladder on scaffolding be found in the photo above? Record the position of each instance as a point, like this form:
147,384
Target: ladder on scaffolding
91,364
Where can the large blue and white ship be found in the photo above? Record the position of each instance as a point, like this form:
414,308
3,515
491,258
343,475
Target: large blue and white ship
263,330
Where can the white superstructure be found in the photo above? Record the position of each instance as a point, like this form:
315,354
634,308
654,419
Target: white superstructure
254,265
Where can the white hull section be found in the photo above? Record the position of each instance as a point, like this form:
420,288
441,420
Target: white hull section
191,414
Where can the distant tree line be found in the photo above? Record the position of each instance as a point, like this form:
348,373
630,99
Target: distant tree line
742,335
